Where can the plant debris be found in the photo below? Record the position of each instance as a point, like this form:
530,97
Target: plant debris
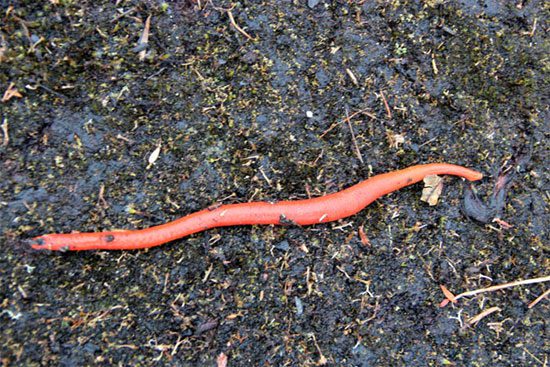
454,298
433,186
477,318
10,93
230,111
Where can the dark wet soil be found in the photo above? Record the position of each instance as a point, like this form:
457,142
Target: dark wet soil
465,82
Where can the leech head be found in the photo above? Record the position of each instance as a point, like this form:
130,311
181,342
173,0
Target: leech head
38,243
49,242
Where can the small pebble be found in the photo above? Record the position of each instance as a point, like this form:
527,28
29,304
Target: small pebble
283,246
313,3
299,306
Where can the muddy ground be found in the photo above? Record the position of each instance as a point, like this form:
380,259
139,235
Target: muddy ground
463,82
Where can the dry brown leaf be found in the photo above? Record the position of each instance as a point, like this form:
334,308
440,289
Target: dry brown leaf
451,297
11,92
433,186
144,39
232,316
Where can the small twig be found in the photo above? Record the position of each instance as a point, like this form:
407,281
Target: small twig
101,198
532,33
474,320
265,176
453,298
24,26
52,91
352,77
542,363
427,142
322,360
121,15
539,298
351,116
434,65
207,273
390,116
342,226
458,318
144,39
503,286
156,73
232,20
341,269
4,127
357,151
314,163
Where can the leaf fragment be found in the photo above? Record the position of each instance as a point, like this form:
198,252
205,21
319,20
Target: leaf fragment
144,39
433,186
451,297
154,156
11,92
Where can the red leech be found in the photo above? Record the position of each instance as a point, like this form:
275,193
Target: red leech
322,209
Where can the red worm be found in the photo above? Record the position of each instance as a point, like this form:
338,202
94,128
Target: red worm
297,212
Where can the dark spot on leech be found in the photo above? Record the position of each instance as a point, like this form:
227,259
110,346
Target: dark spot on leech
283,220
40,241
409,180
109,238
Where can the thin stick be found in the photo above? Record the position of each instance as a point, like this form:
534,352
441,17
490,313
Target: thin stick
52,91
532,33
357,151
4,128
127,12
232,20
351,116
539,298
477,318
322,360
386,105
542,363
503,286
144,38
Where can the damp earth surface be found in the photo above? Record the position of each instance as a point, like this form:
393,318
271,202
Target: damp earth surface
131,114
